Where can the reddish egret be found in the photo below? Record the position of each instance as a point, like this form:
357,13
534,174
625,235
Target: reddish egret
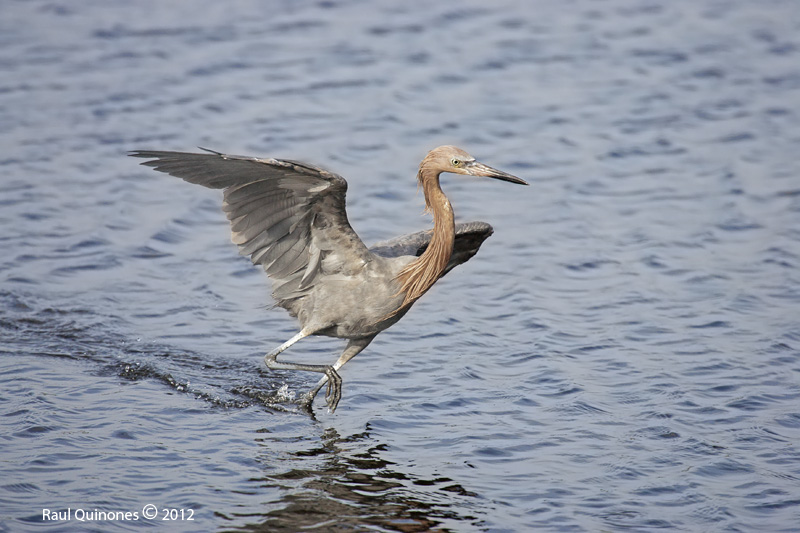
290,218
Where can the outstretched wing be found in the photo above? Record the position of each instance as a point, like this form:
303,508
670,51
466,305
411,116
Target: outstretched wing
469,237
288,217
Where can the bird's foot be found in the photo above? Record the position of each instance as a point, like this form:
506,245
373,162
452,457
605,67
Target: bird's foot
334,391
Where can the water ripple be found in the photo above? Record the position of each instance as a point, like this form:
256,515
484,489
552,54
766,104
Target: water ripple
622,354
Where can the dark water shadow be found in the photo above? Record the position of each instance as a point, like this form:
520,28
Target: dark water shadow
78,333
349,492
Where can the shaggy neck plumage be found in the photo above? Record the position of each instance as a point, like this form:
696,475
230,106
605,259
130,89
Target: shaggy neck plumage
418,276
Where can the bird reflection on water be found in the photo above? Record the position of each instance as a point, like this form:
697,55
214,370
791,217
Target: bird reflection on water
290,218
345,478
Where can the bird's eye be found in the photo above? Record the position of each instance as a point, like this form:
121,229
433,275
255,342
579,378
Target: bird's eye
456,162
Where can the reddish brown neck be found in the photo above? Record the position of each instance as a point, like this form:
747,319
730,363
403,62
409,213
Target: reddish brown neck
419,275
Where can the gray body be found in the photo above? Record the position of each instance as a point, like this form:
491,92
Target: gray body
351,305
290,218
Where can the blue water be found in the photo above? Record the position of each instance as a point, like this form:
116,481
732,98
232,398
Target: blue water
622,354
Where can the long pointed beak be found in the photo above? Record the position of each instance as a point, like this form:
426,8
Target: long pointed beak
479,169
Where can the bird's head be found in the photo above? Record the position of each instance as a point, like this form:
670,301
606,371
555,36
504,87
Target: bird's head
456,161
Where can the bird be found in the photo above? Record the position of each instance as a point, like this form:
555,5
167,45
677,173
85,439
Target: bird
289,217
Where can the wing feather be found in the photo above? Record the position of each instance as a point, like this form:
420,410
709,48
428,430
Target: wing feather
469,238
285,215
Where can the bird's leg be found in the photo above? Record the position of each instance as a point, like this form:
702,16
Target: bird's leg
271,360
334,392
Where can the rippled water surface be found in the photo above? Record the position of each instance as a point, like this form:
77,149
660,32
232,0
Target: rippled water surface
623,353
